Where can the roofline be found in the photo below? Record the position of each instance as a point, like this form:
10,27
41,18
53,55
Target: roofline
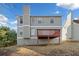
45,16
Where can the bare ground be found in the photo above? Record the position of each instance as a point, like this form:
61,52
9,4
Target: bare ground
64,49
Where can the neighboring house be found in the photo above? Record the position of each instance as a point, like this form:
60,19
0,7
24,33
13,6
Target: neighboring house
67,28
70,30
75,30
36,30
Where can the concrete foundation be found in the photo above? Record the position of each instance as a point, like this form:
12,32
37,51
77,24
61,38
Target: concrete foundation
36,41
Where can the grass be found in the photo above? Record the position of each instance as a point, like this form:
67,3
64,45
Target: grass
64,49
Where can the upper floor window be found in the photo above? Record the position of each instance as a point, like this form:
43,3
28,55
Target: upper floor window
21,20
52,20
39,20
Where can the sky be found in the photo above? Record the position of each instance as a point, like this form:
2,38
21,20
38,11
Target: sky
9,11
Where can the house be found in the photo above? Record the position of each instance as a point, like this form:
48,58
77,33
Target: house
67,28
36,30
70,29
75,30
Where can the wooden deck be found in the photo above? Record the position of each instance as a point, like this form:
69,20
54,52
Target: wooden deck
48,34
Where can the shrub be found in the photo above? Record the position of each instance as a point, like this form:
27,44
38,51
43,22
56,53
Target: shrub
7,36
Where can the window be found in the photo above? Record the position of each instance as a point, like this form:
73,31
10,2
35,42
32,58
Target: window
39,20
52,21
21,33
21,20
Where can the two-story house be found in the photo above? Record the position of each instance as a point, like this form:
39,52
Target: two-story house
36,30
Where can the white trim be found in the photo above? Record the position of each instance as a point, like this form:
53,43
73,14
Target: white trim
34,37
39,26
46,26
24,25
19,37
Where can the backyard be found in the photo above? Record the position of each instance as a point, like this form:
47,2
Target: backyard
64,49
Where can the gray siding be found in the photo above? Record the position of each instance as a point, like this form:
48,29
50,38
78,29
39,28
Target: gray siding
45,20
20,29
18,20
25,32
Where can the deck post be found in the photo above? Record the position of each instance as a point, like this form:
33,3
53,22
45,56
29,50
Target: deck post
48,40
59,40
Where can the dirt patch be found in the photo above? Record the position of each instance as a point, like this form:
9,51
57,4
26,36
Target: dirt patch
20,51
6,52
24,51
64,49
64,52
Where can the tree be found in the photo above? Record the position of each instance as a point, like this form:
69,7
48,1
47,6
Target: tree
7,36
